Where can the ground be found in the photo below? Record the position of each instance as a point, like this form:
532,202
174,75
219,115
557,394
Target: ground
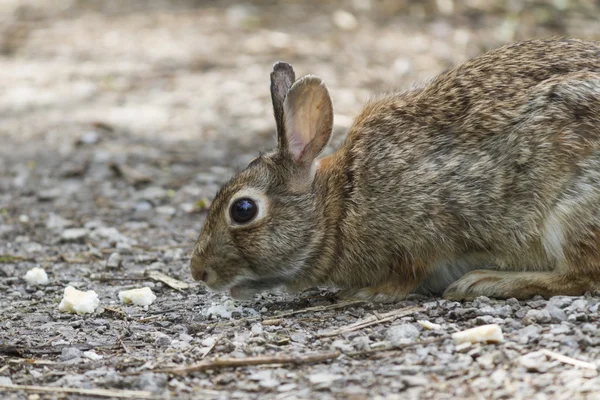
118,122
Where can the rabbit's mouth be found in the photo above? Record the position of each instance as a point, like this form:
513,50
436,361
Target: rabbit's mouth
249,288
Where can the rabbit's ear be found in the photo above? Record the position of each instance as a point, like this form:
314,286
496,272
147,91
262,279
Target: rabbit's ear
308,119
282,79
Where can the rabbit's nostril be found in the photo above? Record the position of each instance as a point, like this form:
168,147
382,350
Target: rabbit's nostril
204,276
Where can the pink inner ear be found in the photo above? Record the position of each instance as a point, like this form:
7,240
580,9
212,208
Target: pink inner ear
304,115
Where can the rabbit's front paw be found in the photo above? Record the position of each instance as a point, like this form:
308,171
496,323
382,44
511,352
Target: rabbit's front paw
473,284
378,294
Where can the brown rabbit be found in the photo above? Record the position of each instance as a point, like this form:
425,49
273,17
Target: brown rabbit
485,181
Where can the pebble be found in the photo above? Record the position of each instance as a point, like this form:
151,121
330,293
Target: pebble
323,378
56,222
5,380
556,314
344,20
404,333
161,339
114,261
152,382
73,234
49,194
112,235
69,353
298,337
537,316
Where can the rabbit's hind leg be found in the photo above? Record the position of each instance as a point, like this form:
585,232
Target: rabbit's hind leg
520,285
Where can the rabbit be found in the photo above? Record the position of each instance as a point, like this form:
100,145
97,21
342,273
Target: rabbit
484,181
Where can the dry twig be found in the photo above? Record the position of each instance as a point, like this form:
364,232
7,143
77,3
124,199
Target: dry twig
221,363
123,394
569,360
374,320
320,308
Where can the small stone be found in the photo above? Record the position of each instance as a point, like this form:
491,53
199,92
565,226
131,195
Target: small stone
73,234
56,222
556,314
261,375
49,194
153,193
361,343
89,137
92,355
161,340
298,337
256,329
528,333
414,380
124,248
578,305
559,329
498,377
512,302
484,320
287,387
344,20
152,382
114,261
112,235
537,316
535,362
342,346
323,378
143,206
32,247
69,353
487,361
404,333
561,301
402,66
166,210
5,380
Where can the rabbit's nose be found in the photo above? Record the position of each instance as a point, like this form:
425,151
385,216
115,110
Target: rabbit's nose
198,271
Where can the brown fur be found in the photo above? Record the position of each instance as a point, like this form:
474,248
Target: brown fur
494,164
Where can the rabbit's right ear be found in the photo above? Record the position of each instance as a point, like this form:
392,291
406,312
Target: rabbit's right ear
282,79
308,119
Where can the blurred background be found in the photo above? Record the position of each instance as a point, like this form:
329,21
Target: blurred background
101,99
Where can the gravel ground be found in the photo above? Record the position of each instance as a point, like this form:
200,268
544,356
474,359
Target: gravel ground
119,122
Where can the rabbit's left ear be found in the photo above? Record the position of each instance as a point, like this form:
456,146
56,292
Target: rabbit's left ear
282,79
308,119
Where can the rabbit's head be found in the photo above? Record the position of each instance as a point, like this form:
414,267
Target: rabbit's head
263,224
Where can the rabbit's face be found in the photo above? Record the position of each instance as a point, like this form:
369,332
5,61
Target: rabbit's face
262,226
258,233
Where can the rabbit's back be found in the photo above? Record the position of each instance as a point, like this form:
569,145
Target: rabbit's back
475,160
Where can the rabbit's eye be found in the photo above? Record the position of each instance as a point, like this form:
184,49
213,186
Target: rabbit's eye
243,210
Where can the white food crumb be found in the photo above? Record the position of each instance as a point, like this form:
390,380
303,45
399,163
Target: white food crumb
430,326
138,297
92,355
486,333
36,276
222,310
78,302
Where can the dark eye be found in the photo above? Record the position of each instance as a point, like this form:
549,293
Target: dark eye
243,210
